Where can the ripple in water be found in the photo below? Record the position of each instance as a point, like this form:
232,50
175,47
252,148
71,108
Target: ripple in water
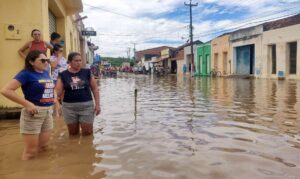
198,128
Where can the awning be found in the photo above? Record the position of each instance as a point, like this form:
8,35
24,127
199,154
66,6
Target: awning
156,60
173,59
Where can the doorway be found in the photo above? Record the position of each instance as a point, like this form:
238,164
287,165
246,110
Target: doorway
173,67
245,60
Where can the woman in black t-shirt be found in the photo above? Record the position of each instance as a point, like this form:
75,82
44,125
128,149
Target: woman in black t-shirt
78,85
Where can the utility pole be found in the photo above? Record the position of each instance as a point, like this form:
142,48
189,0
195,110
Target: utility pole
134,52
129,53
191,35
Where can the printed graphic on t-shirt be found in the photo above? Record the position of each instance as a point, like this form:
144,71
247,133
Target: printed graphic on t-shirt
76,83
48,95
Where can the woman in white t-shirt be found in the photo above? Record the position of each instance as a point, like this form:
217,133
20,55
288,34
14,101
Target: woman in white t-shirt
58,64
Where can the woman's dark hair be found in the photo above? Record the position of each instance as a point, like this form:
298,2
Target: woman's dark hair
54,36
34,31
31,57
72,55
56,47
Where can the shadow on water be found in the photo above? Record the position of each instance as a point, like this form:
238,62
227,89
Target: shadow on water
177,127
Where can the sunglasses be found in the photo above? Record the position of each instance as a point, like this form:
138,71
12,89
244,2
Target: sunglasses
45,60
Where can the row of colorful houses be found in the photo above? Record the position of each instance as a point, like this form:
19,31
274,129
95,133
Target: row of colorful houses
269,50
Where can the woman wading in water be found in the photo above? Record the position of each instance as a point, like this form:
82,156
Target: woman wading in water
36,120
78,87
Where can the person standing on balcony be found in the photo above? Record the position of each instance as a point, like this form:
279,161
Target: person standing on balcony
36,120
36,44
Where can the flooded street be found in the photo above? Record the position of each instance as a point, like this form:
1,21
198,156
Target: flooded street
180,128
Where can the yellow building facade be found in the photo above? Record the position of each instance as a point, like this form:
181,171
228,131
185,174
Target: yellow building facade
19,17
220,53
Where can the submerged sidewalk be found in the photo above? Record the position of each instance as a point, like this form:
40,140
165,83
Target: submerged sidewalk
10,113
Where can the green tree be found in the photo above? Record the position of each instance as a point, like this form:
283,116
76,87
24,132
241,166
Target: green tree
116,62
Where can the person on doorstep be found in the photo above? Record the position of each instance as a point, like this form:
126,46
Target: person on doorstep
58,64
55,39
36,44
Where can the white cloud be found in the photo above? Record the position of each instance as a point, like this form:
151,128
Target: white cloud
129,21
117,33
136,8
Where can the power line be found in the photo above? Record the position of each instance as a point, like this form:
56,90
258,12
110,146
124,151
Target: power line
207,33
160,33
237,28
222,3
211,31
119,14
256,17
241,24
228,30
112,12
143,34
166,33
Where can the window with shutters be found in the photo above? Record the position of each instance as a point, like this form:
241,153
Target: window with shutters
52,22
272,56
293,57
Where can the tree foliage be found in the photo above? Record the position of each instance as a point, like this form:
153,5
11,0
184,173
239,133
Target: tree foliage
116,62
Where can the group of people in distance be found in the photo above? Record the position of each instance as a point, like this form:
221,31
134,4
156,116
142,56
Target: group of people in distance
50,81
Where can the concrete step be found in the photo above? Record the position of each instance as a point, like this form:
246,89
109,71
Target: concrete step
10,113
240,76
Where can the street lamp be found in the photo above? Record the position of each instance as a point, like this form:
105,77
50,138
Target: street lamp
80,19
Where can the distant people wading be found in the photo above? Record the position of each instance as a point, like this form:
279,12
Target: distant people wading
58,65
36,44
78,85
36,117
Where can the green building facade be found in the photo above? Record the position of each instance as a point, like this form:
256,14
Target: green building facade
203,63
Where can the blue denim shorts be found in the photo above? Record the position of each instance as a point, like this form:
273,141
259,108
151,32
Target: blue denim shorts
82,112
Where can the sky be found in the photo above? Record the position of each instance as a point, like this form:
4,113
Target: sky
123,24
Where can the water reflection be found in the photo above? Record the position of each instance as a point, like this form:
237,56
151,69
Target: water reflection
207,128
179,128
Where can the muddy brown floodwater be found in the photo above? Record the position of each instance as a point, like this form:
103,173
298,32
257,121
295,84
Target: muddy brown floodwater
181,128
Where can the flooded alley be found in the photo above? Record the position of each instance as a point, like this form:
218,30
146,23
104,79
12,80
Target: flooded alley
178,128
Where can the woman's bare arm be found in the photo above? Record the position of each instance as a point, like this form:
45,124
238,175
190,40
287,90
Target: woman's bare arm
95,91
59,88
22,49
48,45
9,92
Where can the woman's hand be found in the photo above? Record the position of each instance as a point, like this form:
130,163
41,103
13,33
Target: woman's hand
31,108
54,62
97,109
59,100
59,56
